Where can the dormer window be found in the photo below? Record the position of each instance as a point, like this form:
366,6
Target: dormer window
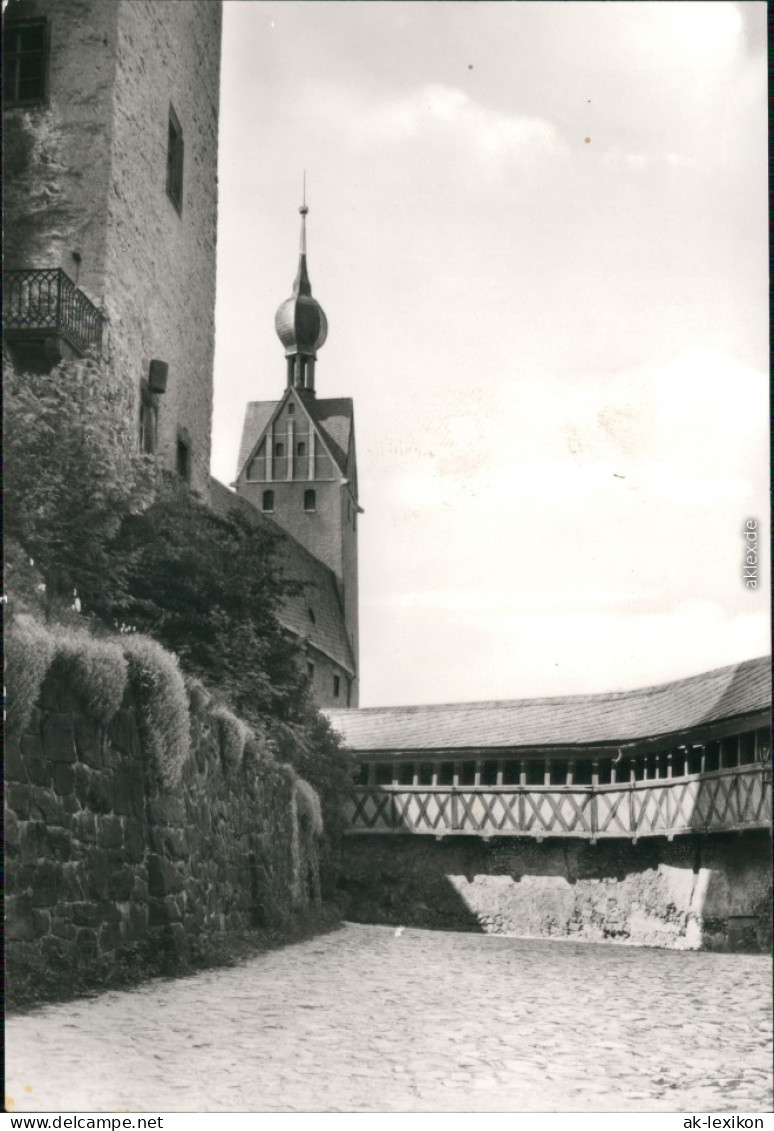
267,502
291,409
310,501
279,450
301,448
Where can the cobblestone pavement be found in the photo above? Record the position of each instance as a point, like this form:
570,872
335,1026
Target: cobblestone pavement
366,1020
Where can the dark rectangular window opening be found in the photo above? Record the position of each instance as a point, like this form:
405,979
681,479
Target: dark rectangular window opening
694,759
279,450
559,773
183,459
310,670
175,161
730,752
310,501
301,449
489,773
446,773
406,773
361,776
467,773
25,58
267,502
581,775
384,773
746,749
711,757
536,773
336,686
606,771
291,409
426,773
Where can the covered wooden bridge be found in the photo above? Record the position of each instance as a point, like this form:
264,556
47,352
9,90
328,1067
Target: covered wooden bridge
691,756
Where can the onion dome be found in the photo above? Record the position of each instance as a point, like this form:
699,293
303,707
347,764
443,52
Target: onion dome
300,322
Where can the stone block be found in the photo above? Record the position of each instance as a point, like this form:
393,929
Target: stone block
32,840
58,738
19,918
163,876
85,827
19,798
31,746
41,922
60,954
63,928
11,825
47,885
161,912
176,942
96,875
166,811
71,805
89,741
15,768
72,885
110,832
58,844
64,780
40,772
19,878
50,807
121,883
139,890
129,795
82,778
100,794
173,843
134,840
136,923
109,937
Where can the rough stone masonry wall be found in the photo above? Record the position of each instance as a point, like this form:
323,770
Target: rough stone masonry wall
100,858
692,893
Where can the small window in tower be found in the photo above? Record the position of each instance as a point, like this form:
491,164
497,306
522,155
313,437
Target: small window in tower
148,420
279,450
301,448
25,68
267,502
310,501
183,458
175,161
310,671
291,409
336,686
312,617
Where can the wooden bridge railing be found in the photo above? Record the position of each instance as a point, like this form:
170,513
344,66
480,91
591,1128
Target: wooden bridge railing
721,801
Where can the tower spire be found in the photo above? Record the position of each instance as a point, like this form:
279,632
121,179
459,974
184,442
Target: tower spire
300,322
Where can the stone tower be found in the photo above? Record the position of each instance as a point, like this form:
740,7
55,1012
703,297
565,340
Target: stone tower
110,199
297,459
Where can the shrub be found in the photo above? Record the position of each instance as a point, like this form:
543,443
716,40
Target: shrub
199,697
233,735
308,806
162,704
30,649
96,670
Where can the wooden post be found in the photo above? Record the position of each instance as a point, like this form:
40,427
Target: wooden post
477,778
500,770
372,773
547,772
415,775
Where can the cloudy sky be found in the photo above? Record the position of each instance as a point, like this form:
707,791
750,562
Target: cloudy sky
539,232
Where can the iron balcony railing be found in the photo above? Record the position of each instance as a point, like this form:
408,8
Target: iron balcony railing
47,300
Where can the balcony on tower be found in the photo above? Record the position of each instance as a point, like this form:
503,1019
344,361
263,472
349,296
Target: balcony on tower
48,319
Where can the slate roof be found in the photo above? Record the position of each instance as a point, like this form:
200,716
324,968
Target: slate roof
257,416
332,415
326,632
622,716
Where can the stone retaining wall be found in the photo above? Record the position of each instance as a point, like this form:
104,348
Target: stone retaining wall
102,861
708,892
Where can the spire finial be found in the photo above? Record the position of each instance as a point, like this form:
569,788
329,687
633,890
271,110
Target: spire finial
303,210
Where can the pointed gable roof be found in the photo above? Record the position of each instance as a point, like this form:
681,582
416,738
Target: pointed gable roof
332,417
257,416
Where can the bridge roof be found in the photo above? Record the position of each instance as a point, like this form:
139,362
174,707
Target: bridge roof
622,716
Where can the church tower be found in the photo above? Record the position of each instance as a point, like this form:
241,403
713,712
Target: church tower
297,458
